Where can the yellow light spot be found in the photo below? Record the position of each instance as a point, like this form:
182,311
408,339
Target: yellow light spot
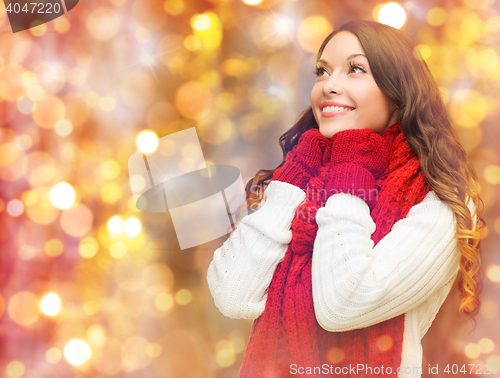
137,183
15,369
24,142
252,2
238,340
88,247
63,127
479,4
493,272
51,304
164,301
132,227
42,174
193,92
384,343
91,307
53,355
201,22
77,352
489,309
15,208
103,23
436,16
9,153
53,247
29,197
482,61
134,355
96,335
493,24
472,350
225,353
23,308
138,89
36,29
92,99
117,250
173,7
312,31
76,221
192,42
335,355
183,297
107,103
26,252
48,111
486,345
492,174
422,51
156,275
392,14
493,360
110,169
61,25
29,78
153,350
111,192
232,67
25,105
468,108
115,225
62,195
469,135
147,141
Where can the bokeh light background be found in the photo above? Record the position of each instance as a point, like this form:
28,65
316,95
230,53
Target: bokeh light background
92,287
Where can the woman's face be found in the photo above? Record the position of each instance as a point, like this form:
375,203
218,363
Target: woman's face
344,79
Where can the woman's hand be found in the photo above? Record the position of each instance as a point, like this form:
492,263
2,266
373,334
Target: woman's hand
303,162
358,157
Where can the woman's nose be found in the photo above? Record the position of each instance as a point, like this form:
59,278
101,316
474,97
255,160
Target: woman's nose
332,85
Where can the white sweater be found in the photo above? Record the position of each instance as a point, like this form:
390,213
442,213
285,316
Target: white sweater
354,284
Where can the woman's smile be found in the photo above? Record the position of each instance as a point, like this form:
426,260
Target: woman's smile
331,111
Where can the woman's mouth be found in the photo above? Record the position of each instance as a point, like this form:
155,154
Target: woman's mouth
333,111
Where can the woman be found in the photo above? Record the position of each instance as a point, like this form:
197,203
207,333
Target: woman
366,224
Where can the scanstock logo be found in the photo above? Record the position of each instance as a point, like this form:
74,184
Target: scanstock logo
26,14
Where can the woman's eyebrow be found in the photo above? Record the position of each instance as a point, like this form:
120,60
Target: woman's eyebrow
349,57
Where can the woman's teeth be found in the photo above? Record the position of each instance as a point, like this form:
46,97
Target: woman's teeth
336,109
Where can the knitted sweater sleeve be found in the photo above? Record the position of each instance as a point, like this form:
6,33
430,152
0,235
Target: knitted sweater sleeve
356,285
243,267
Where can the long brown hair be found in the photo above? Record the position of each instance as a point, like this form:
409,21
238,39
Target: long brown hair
426,127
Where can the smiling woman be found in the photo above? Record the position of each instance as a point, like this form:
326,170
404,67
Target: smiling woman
367,222
345,95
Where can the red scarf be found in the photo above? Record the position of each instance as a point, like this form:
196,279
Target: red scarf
287,332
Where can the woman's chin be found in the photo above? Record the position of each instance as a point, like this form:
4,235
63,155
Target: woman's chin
329,131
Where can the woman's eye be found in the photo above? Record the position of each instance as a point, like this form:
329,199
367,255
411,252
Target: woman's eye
356,67
319,70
